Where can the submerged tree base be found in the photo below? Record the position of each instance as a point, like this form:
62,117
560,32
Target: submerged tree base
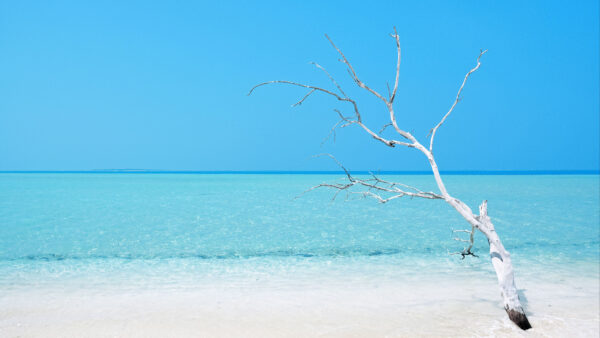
518,318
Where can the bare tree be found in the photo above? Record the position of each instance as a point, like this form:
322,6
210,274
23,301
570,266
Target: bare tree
385,191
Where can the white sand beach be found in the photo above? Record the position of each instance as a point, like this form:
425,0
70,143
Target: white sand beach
311,306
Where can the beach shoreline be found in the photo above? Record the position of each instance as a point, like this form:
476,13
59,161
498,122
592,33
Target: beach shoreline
343,303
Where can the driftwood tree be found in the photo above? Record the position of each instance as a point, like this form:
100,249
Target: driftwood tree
385,191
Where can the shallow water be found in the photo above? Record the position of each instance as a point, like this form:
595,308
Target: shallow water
79,251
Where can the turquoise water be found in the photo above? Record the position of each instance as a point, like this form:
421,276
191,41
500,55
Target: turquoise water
178,227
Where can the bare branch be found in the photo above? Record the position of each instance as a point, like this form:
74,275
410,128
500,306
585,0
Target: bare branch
385,126
467,251
463,254
343,119
338,163
390,103
331,78
375,186
353,73
375,189
379,180
300,85
434,130
332,131
394,123
389,143
399,52
304,98
378,197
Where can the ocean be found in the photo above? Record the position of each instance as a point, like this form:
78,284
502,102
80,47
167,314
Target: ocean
162,254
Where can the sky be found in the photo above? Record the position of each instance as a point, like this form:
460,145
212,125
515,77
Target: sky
163,85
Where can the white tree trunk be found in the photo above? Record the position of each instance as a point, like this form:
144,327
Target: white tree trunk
504,271
498,254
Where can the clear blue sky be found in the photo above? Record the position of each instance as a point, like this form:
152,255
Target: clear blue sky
162,85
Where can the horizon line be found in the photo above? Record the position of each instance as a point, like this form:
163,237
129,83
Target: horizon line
308,172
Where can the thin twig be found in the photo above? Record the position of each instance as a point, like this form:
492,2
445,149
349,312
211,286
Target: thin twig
393,189
304,98
383,128
467,251
330,77
399,53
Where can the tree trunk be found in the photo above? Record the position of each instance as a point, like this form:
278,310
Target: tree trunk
504,271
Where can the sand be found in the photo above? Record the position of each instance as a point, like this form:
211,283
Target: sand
329,306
